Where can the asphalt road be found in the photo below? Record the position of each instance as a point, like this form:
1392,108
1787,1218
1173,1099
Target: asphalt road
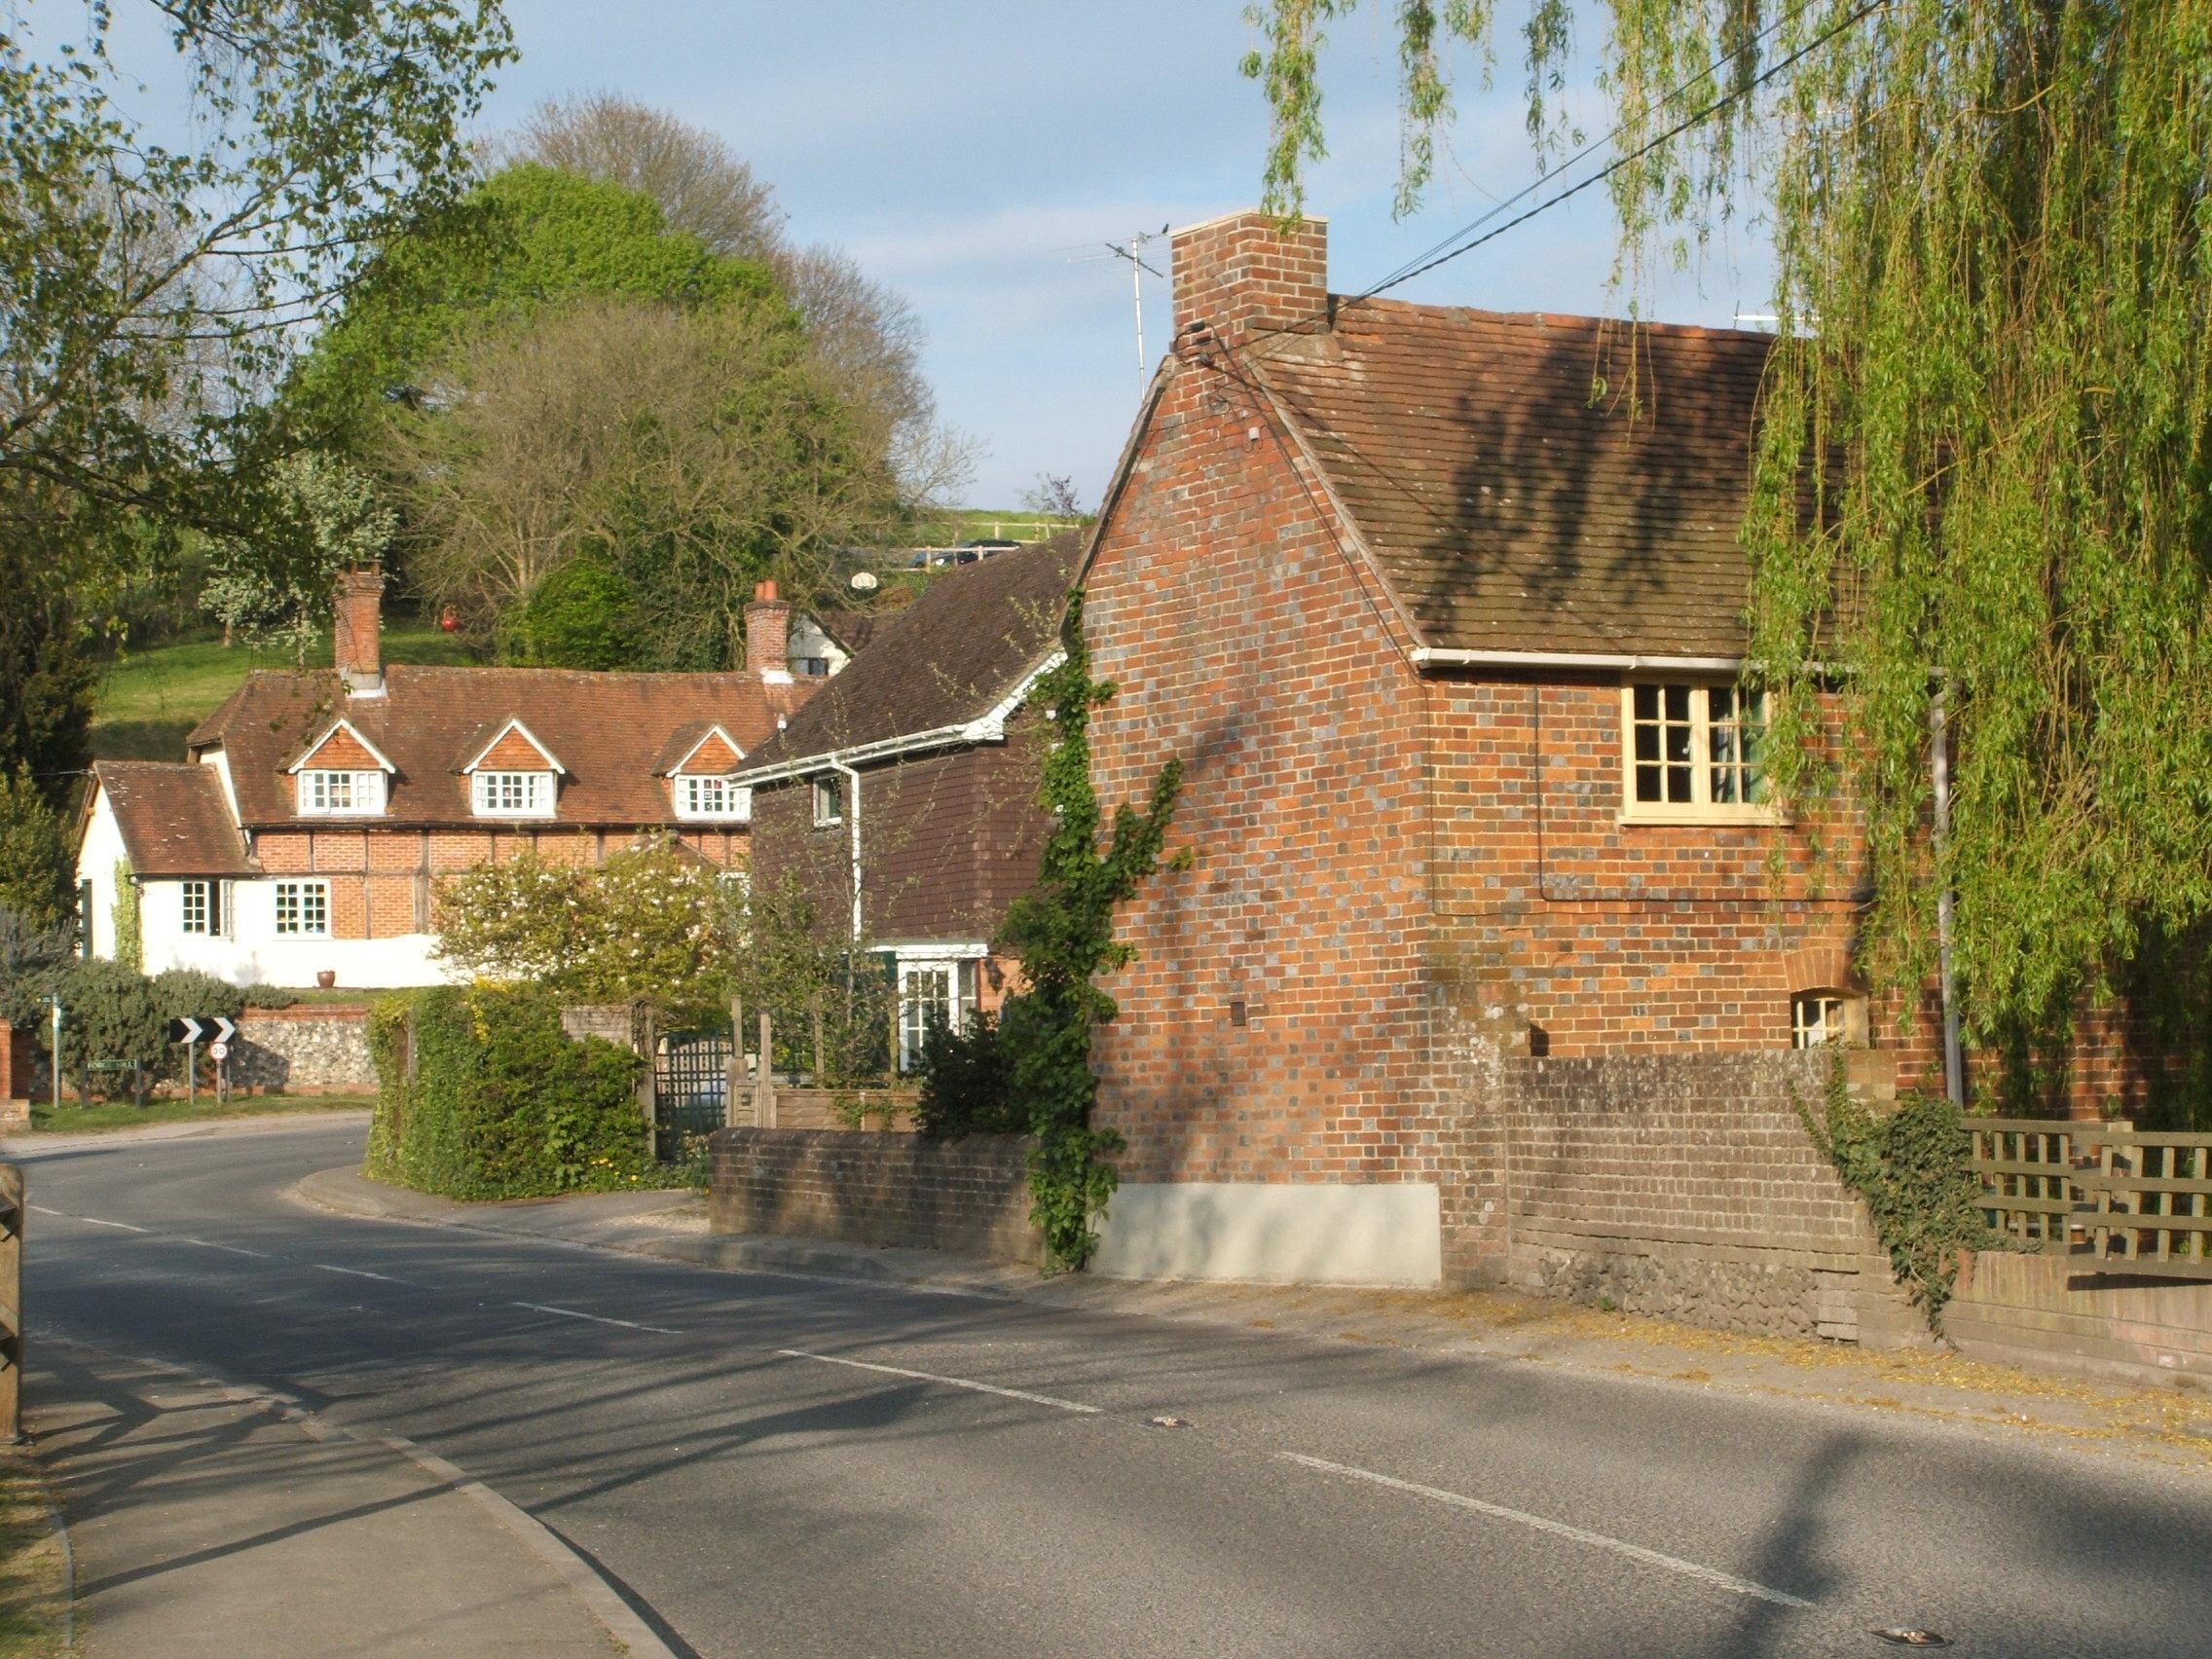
771,1465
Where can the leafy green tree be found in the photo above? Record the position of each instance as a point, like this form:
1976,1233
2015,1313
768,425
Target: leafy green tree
1984,427
47,672
272,587
1063,932
527,239
152,291
583,615
37,874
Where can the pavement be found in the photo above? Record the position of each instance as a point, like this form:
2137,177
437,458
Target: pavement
756,1460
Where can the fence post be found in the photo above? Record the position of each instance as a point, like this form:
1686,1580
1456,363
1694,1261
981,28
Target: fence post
11,1214
649,1083
736,1063
764,1092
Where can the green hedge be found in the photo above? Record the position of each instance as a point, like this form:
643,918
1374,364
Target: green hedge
503,1103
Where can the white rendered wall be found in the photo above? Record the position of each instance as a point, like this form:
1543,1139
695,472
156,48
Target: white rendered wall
254,954
1316,1232
96,858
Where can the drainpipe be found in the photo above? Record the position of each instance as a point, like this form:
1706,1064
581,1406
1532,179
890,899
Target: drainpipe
853,827
1940,763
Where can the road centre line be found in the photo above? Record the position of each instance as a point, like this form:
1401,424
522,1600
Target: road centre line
949,1381
357,1272
1558,1529
91,1221
597,1318
233,1249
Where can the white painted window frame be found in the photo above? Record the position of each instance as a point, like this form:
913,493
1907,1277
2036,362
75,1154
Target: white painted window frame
1701,807
691,789
208,924
537,792
832,789
1826,1017
319,788
303,890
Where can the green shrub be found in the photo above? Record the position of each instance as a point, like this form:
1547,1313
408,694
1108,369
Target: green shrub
186,993
503,1103
583,616
109,1017
967,1083
33,951
269,996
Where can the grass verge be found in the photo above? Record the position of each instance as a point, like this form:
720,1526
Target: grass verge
75,1119
34,1587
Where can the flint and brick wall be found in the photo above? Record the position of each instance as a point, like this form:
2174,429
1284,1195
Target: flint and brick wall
310,1049
970,1195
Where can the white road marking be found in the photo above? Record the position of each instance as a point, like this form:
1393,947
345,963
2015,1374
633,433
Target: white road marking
95,1221
598,1320
1558,1529
949,1381
236,1251
358,1272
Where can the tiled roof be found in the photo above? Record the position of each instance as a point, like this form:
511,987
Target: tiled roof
610,731
950,657
850,629
173,818
1515,506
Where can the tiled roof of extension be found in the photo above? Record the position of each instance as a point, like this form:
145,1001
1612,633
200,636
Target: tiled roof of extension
173,818
610,731
950,657
1515,508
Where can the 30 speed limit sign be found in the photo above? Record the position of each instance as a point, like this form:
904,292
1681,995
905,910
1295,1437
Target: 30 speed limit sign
218,1050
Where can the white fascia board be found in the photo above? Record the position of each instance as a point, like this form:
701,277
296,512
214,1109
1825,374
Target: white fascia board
987,727
715,730
1433,656
341,724
932,950
529,737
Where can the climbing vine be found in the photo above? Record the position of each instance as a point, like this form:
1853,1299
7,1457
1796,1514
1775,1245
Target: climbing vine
1984,469
1063,932
129,928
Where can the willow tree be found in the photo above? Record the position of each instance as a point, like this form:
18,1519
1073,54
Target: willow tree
1982,476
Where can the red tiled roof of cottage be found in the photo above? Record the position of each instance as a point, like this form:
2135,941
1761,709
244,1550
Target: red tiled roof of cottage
609,731
1513,501
173,818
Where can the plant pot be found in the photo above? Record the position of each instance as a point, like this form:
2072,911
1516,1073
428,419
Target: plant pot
326,977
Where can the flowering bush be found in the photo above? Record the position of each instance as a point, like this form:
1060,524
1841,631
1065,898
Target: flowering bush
651,921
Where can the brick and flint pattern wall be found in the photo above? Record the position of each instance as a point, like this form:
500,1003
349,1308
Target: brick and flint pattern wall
970,1195
312,1049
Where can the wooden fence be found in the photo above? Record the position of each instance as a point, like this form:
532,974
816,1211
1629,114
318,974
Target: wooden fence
2122,1201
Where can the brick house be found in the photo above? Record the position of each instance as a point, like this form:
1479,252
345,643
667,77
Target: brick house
911,779
316,810
1450,646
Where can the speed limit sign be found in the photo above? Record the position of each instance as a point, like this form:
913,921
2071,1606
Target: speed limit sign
218,1050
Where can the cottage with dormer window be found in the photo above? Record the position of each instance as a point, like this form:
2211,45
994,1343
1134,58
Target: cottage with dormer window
317,812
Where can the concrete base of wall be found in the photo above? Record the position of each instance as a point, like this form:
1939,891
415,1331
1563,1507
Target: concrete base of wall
1385,1234
2045,1313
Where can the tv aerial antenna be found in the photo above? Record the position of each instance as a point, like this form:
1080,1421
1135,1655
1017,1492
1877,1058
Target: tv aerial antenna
1133,250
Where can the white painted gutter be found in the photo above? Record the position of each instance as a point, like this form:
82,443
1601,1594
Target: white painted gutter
1438,656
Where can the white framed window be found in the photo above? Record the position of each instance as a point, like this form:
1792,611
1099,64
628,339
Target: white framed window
303,910
829,802
202,905
329,793
931,993
711,797
1693,752
514,795
811,667
1819,1019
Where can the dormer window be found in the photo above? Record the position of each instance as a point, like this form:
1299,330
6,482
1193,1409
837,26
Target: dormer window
329,793
713,796
514,795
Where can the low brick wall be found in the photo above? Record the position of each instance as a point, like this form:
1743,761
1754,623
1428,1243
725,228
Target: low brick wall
1686,1185
864,1188
2045,1311
309,1049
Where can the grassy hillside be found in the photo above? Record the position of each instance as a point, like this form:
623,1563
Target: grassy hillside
151,698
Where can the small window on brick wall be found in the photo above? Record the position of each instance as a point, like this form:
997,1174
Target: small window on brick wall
303,908
1693,752
1821,1019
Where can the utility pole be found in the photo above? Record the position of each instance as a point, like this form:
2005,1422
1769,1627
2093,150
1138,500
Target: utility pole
1133,252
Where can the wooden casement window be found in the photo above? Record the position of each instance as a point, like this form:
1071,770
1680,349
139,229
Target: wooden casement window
333,795
711,797
514,795
829,802
203,907
303,910
1826,1018
1693,753
932,994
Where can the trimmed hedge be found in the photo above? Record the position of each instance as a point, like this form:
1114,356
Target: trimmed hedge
503,1103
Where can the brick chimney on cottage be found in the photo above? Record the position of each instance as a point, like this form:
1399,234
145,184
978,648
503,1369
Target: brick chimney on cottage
1242,276
769,636
358,635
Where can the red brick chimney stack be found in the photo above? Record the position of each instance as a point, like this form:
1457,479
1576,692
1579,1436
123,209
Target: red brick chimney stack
769,636
1243,278
357,639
